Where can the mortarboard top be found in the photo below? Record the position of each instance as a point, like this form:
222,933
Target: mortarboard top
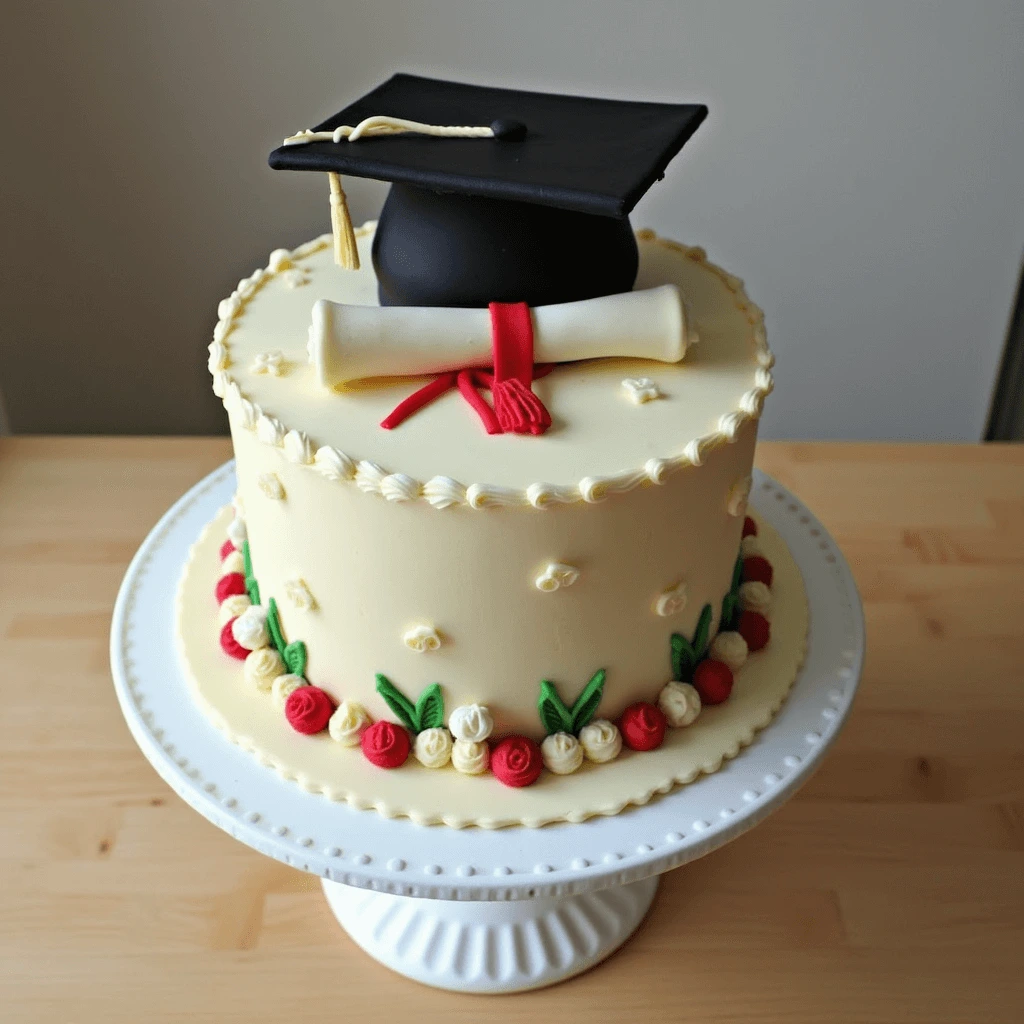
588,155
538,216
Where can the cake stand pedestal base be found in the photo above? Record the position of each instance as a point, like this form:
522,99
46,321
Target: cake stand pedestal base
492,947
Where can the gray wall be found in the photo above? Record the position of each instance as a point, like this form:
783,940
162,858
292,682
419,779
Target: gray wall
862,169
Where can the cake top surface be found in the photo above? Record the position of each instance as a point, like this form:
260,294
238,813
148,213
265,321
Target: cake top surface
617,423
592,156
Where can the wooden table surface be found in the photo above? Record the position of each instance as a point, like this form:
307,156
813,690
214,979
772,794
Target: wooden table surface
890,889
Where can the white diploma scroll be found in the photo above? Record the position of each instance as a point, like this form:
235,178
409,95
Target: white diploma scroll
348,343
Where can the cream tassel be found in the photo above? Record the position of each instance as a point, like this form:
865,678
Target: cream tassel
346,254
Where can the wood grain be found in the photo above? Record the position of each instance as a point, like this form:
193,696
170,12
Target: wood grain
890,890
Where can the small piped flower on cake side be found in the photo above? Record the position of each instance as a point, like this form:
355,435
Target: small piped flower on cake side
641,390
272,363
555,576
671,601
297,591
739,494
424,719
270,484
422,638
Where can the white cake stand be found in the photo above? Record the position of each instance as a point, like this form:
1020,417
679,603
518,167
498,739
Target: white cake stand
475,910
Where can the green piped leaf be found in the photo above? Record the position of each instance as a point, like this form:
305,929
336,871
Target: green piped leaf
587,702
702,635
737,574
252,588
729,606
684,660
274,628
430,708
295,657
554,715
403,708
730,603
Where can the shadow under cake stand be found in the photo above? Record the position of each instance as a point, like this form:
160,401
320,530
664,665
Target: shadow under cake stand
474,910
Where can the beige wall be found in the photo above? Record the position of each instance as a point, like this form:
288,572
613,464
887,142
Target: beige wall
862,169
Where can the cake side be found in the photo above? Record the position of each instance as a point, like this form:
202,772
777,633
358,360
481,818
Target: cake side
510,597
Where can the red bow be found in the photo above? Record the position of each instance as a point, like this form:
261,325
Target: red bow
517,410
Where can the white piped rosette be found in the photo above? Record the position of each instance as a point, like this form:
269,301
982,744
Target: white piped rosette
250,628
562,753
348,723
470,726
680,703
231,607
262,667
601,741
433,747
233,562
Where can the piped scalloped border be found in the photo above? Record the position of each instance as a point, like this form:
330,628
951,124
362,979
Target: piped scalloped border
443,492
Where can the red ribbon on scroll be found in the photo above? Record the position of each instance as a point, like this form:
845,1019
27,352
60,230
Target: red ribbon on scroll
517,410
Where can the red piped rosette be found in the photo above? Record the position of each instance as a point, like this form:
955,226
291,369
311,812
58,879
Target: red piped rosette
308,710
643,726
385,744
713,681
229,585
229,645
516,761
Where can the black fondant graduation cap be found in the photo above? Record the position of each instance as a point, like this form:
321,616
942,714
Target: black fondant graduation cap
533,208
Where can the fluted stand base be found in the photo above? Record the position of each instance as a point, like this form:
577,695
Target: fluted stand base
491,947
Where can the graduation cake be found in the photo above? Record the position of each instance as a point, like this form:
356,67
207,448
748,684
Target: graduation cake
491,559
